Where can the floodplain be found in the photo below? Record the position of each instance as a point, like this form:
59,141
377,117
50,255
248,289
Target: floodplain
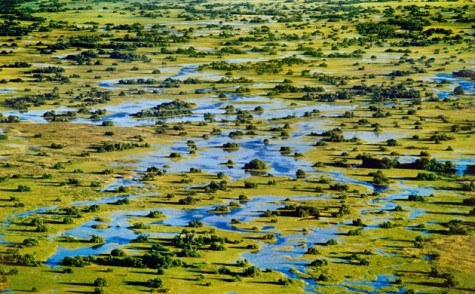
215,146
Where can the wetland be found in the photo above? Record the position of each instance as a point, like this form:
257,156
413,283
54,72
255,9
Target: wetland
303,146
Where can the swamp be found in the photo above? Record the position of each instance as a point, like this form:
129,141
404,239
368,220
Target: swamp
244,146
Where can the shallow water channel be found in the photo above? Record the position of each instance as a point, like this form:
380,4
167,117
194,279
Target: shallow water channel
209,159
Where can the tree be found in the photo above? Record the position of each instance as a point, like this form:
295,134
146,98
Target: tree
379,179
100,282
300,174
332,242
319,262
450,281
155,283
96,239
459,90
256,164
392,142
252,271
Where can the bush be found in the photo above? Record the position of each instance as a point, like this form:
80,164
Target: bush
417,198
300,174
332,242
386,225
23,188
455,228
256,164
250,185
392,142
154,283
100,282
195,224
364,261
96,239
285,281
140,226
450,281
398,208
107,123
426,177
319,262
58,165
30,242
77,261
41,229
95,184
155,214
187,201
252,271
68,220
379,179
459,90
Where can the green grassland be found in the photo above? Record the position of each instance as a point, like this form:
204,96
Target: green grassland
372,69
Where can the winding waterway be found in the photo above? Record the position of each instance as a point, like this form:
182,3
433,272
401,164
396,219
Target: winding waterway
210,158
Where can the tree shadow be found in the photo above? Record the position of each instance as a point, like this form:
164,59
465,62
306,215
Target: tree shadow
428,284
20,230
446,203
185,279
21,291
224,279
448,213
198,271
77,284
133,283
147,273
166,202
265,282
225,264
412,272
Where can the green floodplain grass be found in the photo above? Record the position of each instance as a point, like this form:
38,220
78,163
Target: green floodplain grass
448,253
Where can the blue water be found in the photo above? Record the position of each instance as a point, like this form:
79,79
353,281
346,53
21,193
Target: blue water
210,157
119,232
467,85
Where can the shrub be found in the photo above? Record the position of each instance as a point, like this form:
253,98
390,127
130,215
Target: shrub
250,185
300,174
95,184
386,225
100,282
417,198
332,242
96,239
426,177
30,242
450,281
364,261
459,90
23,188
252,271
155,214
379,179
312,250
392,142
319,262
187,200
41,229
256,164
195,224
